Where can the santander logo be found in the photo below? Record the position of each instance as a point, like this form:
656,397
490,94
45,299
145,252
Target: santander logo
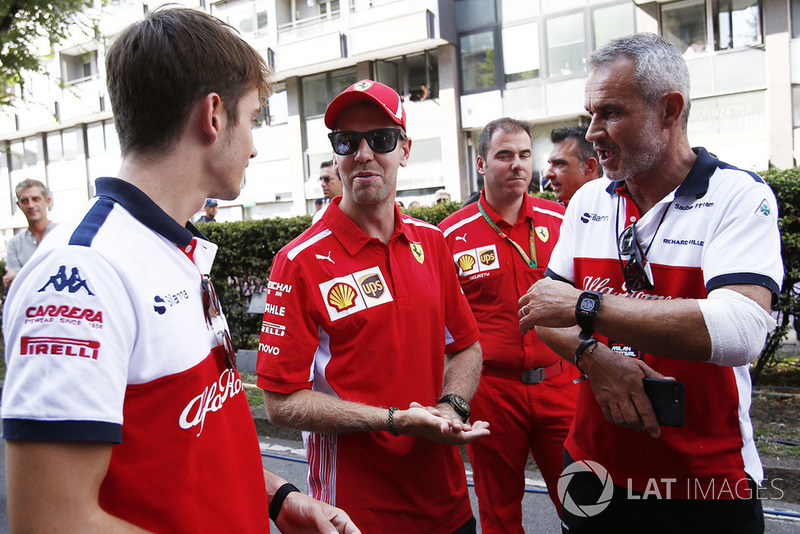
211,399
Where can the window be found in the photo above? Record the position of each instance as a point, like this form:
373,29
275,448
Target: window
415,77
78,67
795,18
514,10
734,24
277,109
472,14
796,105
566,47
478,68
612,22
247,16
319,89
521,52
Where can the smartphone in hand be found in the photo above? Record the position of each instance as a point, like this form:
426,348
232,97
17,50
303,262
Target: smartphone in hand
667,398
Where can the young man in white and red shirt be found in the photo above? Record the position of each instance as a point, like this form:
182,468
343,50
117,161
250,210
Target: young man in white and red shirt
674,266
368,344
122,408
501,245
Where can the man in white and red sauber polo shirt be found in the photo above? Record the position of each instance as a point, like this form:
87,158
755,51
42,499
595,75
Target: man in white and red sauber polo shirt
368,343
675,266
121,406
501,245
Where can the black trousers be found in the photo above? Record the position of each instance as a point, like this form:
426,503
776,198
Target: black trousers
467,528
651,515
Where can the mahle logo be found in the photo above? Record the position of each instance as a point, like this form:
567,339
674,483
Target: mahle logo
585,509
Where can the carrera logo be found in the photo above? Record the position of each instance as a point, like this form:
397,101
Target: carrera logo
59,346
355,292
481,259
488,257
372,285
73,283
342,297
68,312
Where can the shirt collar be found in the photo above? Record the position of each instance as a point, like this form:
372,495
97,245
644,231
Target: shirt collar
351,236
696,182
146,211
524,213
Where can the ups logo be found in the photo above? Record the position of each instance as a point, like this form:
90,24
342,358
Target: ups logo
372,285
488,257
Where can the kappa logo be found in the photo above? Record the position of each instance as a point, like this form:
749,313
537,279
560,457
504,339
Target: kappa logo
355,292
59,346
73,284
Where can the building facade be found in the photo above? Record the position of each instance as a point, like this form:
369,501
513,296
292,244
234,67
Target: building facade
458,65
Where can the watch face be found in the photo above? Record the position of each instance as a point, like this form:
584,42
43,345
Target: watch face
587,304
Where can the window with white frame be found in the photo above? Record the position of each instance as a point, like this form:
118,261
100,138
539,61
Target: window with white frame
795,18
415,77
277,109
696,26
247,16
319,89
566,44
79,66
521,52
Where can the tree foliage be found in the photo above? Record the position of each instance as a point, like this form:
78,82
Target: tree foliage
23,24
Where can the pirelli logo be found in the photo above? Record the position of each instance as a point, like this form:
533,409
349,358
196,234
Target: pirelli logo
59,346
355,292
476,260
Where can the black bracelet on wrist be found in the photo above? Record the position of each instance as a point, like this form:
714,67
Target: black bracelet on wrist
392,429
277,499
590,344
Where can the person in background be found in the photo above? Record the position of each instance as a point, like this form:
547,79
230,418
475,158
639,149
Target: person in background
501,245
210,207
33,200
122,407
668,270
573,162
441,196
368,344
331,185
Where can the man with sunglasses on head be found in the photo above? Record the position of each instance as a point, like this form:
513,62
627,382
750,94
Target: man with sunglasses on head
122,407
368,343
675,266
331,186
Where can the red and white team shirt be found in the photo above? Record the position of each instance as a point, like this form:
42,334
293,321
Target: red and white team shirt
106,340
719,227
494,275
360,320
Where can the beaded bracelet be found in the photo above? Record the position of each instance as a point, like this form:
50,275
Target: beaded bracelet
392,429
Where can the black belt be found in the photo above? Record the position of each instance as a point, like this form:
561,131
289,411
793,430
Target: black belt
536,375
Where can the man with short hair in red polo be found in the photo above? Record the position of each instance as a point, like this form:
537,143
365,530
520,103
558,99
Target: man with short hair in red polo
368,343
501,245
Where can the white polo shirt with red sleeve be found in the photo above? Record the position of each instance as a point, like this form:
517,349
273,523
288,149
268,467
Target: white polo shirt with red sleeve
719,227
368,322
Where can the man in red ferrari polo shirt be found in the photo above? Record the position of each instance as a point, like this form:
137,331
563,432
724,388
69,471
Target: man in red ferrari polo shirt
368,343
501,245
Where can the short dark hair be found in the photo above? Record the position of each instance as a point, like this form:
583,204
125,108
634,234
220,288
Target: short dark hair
158,68
329,163
506,124
585,148
27,183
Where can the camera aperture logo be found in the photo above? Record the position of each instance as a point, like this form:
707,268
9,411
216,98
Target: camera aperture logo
585,509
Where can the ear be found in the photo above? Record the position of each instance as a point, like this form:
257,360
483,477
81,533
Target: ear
406,148
590,166
481,164
211,116
673,108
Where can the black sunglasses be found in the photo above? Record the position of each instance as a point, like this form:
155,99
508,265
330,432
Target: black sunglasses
325,179
635,271
215,319
381,140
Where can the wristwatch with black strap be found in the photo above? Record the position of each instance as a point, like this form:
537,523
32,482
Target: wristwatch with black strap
459,405
585,310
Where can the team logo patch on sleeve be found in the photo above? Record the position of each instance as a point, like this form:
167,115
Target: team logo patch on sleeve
764,210
476,260
355,292
73,283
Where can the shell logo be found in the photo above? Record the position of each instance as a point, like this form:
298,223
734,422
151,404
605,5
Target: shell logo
466,262
342,296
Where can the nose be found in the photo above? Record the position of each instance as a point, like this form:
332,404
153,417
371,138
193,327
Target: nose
550,173
594,131
253,152
364,152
